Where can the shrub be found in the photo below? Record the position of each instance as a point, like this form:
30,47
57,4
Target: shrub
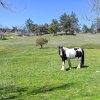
41,42
3,37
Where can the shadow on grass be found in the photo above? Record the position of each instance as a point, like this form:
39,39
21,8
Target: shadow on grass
81,67
46,89
67,69
85,66
14,92
11,92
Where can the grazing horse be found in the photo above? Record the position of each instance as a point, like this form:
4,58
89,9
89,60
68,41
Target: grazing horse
67,54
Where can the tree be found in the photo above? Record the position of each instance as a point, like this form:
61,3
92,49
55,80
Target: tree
53,27
85,29
93,12
98,24
69,23
93,28
29,25
2,36
74,22
35,28
95,7
46,28
43,29
2,4
41,41
5,5
65,22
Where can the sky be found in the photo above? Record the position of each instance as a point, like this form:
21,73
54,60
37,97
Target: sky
41,11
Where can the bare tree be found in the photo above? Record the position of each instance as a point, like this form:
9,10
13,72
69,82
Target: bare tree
95,6
3,4
93,12
6,6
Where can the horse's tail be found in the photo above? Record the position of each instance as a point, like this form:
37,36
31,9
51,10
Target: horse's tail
82,60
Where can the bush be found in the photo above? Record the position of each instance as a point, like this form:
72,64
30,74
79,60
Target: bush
41,42
3,37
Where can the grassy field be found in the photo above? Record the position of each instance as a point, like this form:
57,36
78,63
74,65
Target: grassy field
30,73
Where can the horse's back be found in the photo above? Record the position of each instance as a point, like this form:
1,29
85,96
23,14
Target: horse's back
71,53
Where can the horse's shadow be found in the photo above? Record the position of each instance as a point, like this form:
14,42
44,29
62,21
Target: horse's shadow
11,89
19,91
85,66
46,89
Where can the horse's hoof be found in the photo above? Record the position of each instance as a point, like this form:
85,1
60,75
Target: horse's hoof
70,68
78,67
62,69
67,69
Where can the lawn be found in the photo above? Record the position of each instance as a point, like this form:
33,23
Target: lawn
30,73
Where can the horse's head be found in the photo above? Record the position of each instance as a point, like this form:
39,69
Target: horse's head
61,51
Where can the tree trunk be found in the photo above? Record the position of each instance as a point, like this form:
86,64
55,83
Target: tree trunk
41,46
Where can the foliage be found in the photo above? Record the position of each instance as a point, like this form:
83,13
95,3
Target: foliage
93,28
35,28
41,42
85,29
43,29
3,37
65,22
97,24
69,23
30,25
74,22
53,27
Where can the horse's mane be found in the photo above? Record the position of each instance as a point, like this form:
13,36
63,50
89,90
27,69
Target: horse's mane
65,48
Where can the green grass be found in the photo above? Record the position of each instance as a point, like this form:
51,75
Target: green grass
30,73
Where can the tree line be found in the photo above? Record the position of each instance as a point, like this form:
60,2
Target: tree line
67,24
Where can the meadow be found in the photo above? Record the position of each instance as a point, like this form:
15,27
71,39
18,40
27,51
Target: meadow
30,73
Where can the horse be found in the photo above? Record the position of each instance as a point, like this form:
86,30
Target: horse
69,53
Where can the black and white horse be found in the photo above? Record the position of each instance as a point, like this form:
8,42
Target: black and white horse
67,54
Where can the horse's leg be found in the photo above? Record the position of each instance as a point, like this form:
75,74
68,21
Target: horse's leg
69,63
63,62
79,65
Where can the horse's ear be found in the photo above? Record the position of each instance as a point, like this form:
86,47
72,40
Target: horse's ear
60,47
